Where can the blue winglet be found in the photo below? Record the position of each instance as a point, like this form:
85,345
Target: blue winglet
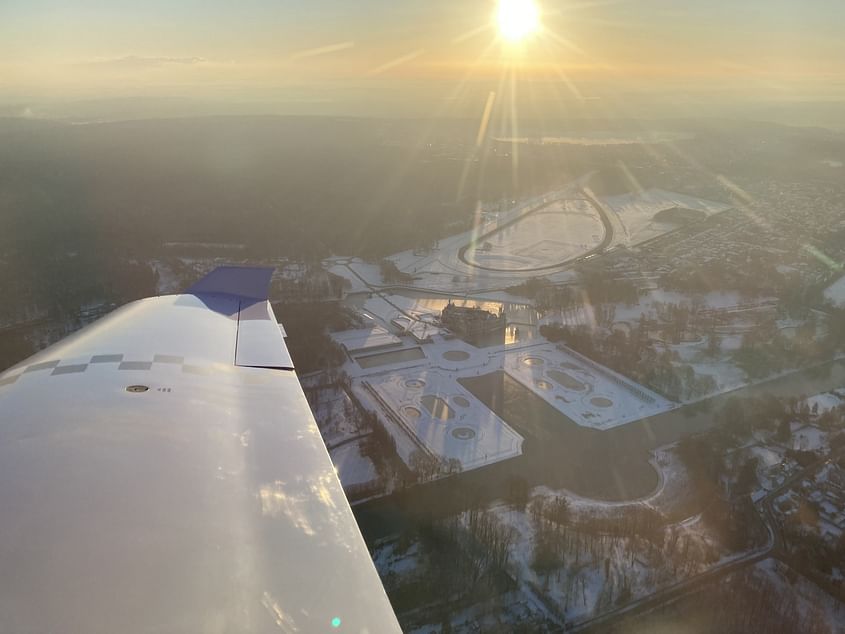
251,282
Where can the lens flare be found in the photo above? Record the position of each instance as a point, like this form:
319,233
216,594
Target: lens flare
517,19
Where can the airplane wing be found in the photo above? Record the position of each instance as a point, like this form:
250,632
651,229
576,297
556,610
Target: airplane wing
160,471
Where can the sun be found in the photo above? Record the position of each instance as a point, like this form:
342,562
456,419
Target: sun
517,19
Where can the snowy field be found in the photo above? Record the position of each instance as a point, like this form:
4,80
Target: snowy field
356,272
738,314
366,339
835,293
636,212
168,281
409,565
721,367
544,231
589,394
388,308
651,303
597,572
333,412
809,438
442,269
352,467
825,401
559,232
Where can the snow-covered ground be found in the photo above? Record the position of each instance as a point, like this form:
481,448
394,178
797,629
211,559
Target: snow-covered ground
653,303
597,572
390,560
561,231
356,272
442,269
544,231
670,498
809,438
363,339
352,467
773,467
636,212
721,366
513,611
168,281
825,401
333,411
672,494
408,565
836,292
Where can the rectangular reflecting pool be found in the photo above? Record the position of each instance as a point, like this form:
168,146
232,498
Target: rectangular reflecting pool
388,358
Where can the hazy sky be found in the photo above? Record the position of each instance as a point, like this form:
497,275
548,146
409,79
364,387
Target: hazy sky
415,56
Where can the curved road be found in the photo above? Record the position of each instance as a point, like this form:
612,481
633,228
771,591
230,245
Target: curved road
606,240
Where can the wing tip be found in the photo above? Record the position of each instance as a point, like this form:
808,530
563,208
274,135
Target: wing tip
252,282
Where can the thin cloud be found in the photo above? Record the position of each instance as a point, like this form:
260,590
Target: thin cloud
136,61
322,50
378,70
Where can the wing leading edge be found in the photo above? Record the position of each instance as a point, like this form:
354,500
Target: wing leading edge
161,471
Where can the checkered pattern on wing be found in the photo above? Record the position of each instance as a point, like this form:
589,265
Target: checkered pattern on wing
57,369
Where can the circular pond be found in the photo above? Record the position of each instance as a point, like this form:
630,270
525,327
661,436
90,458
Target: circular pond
463,433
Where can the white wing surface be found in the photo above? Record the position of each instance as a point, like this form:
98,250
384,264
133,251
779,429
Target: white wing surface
160,471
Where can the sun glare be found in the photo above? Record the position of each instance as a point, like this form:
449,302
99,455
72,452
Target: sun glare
517,19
